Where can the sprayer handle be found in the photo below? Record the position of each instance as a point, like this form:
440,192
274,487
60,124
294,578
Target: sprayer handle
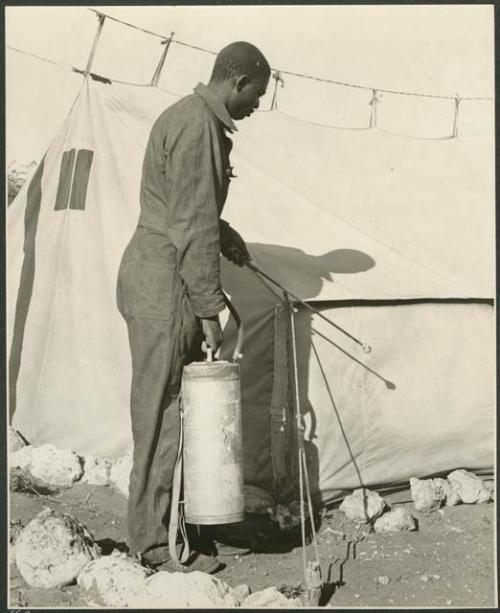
205,347
237,355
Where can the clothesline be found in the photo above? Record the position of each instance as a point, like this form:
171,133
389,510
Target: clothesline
39,57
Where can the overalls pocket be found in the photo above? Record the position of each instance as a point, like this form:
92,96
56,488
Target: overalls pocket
147,289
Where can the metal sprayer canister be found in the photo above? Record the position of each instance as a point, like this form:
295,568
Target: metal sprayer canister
213,463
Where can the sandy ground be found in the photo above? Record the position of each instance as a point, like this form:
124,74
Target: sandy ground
448,562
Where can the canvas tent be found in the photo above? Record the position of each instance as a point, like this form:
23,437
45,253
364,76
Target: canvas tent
391,238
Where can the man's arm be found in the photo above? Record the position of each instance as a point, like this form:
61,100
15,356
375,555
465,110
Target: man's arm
191,175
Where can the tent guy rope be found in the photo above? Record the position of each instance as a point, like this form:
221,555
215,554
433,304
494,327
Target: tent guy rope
304,485
296,74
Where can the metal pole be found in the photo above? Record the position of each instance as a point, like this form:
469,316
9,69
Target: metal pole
366,348
102,19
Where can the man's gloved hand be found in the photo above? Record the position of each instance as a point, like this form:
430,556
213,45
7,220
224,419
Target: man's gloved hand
233,247
212,332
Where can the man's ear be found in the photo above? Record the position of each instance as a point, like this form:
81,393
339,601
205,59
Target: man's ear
241,82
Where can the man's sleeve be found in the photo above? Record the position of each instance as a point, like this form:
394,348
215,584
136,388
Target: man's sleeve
193,174
225,232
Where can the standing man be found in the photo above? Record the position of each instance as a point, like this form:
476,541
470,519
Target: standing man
169,287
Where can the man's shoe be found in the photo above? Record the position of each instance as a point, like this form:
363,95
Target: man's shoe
231,550
203,563
196,561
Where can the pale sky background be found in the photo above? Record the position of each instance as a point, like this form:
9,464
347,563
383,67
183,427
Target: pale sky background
430,49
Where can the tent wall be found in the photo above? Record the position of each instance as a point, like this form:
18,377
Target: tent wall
422,402
69,360
441,414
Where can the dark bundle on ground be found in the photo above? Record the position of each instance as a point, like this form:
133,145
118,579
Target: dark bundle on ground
22,481
15,528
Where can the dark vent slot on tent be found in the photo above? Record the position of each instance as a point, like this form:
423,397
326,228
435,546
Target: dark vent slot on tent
81,179
73,179
64,186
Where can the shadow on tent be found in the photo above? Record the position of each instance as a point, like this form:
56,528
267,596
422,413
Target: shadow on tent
304,275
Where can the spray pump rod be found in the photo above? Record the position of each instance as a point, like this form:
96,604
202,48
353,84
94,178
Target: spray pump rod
366,348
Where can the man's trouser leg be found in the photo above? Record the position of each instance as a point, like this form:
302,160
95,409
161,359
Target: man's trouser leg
159,350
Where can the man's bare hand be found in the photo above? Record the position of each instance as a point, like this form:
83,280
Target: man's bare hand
233,247
212,332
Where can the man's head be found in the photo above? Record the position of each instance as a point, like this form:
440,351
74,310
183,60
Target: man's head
241,74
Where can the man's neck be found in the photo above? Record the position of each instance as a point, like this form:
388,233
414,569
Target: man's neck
221,90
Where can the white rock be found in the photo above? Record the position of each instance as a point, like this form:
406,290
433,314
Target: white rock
53,548
16,441
398,519
257,500
383,580
469,487
427,495
112,581
363,506
14,531
96,470
60,467
119,475
489,486
170,590
22,458
240,592
271,597
12,553
451,496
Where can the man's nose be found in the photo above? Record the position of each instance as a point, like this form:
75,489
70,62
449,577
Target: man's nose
256,104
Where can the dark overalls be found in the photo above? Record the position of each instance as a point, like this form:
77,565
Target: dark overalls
169,278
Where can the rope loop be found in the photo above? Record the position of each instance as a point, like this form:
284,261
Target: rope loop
278,79
157,73
373,113
457,101
374,99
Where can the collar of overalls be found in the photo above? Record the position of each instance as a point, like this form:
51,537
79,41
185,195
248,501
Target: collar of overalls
216,105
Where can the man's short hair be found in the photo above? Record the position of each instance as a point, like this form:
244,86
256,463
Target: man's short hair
238,59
